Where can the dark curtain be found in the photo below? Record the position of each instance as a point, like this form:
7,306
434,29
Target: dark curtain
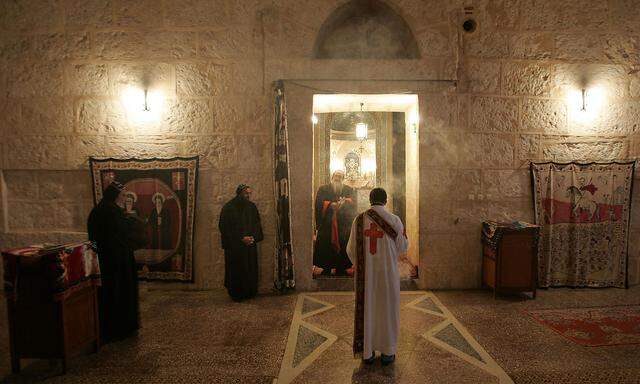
284,277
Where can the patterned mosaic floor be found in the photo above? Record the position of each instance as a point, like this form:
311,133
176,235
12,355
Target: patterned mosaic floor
205,337
433,345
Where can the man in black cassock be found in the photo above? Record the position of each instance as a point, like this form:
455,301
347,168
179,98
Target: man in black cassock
241,230
160,223
115,237
335,209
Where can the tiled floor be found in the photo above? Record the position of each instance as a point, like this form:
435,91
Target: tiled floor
432,344
532,353
449,337
187,337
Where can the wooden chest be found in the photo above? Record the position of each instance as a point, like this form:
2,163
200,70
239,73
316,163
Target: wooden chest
52,302
510,257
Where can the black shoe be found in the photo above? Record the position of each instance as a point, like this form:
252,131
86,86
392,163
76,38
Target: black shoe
386,360
370,360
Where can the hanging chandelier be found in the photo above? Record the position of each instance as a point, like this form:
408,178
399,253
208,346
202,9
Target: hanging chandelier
362,130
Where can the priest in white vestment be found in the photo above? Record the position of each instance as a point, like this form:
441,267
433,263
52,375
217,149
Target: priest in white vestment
377,239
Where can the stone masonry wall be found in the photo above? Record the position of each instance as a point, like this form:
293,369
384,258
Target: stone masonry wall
512,107
64,65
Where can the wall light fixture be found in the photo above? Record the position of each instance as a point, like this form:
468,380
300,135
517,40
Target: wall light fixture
142,105
146,101
585,103
586,100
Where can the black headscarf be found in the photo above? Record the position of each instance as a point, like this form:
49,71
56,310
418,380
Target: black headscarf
112,191
241,188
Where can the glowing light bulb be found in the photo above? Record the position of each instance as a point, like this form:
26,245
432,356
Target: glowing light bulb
314,119
585,104
142,106
155,101
133,99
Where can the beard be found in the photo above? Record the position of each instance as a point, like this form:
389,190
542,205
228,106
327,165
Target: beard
337,187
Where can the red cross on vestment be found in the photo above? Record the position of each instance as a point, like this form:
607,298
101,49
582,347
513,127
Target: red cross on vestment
373,234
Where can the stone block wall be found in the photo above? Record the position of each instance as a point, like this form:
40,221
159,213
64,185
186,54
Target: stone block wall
513,106
66,64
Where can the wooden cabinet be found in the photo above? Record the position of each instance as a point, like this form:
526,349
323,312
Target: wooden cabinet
52,302
510,257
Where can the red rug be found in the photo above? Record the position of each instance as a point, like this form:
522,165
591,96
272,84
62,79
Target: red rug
594,327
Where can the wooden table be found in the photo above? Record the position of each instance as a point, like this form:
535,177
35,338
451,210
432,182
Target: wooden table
52,302
510,257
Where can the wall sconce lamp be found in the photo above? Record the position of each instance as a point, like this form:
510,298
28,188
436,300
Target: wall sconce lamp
585,104
146,101
142,105
138,100
314,119
586,100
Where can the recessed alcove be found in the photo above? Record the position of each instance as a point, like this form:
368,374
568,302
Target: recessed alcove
365,29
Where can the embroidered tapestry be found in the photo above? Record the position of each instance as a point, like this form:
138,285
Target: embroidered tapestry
284,276
584,211
161,193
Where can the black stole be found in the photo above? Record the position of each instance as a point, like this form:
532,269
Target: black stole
358,327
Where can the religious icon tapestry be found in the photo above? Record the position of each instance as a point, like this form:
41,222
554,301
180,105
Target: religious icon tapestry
584,211
284,277
160,196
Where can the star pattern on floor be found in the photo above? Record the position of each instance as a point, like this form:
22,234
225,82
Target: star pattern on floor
323,323
305,342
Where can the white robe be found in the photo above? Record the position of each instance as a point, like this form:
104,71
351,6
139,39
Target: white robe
382,285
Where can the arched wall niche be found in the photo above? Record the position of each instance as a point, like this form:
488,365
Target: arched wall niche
365,29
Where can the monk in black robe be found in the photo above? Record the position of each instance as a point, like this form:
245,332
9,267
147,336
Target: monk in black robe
335,209
114,234
160,223
241,231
